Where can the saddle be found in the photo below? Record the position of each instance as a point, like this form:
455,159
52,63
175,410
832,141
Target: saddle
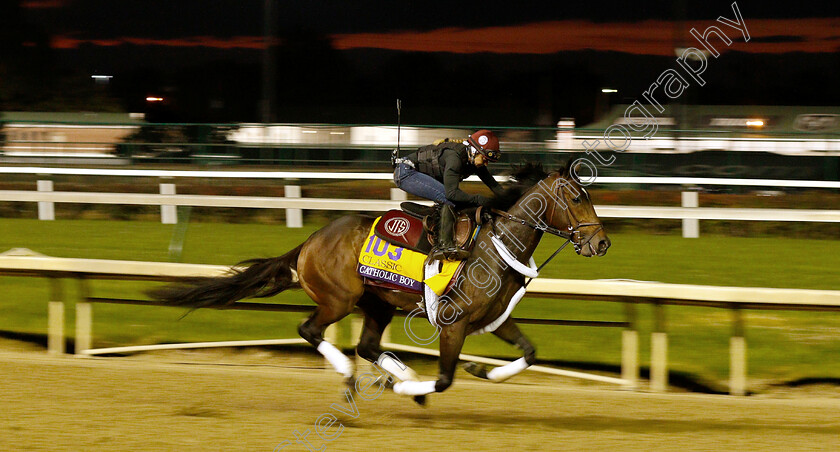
415,227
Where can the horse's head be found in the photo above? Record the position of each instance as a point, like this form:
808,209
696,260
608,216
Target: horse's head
570,209
556,203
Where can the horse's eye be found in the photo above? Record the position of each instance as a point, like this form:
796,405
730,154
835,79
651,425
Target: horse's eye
576,201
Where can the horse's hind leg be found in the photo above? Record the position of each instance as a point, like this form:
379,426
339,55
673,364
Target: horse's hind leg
510,333
327,273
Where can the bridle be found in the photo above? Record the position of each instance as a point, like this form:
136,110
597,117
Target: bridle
574,224
572,234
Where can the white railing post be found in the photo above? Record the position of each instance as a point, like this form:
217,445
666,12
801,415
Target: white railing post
659,351
46,209
630,349
84,319
737,356
55,319
690,226
565,134
294,217
168,213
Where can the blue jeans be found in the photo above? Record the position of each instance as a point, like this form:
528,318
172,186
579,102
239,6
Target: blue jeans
419,184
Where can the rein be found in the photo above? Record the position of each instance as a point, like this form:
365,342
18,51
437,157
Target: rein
531,271
572,232
542,228
569,234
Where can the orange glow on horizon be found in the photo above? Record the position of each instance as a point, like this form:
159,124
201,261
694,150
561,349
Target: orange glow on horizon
238,42
42,4
652,37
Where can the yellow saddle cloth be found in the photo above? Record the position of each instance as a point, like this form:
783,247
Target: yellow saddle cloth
388,263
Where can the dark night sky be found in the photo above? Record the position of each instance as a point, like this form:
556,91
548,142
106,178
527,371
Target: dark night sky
449,26
505,47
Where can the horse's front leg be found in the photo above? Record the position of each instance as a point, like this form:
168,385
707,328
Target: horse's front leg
451,341
510,333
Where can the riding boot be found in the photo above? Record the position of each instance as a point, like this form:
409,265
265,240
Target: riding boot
446,248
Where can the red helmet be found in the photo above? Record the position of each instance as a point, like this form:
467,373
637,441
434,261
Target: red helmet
487,143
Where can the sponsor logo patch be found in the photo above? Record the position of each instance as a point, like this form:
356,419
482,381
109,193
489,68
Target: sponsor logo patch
397,226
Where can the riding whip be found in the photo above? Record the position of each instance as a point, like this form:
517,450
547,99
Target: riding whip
396,152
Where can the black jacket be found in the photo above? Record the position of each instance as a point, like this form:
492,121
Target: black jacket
448,163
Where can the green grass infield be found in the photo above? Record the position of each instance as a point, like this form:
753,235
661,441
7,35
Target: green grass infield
782,346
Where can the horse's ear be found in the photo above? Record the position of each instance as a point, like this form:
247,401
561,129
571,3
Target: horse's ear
574,169
564,167
570,167
571,170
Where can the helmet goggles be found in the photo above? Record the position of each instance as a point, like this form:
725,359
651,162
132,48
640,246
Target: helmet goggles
492,155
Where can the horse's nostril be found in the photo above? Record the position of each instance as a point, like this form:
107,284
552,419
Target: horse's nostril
603,245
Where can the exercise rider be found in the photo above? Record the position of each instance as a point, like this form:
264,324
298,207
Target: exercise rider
434,172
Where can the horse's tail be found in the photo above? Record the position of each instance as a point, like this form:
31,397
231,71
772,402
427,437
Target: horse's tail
253,278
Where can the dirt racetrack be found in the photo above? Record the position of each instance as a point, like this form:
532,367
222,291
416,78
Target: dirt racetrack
207,402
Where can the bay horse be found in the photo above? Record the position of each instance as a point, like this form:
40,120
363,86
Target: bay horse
325,267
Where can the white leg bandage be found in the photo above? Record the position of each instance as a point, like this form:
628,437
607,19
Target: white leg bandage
397,369
339,361
414,388
500,374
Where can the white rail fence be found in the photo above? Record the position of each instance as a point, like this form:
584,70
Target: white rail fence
630,293
690,213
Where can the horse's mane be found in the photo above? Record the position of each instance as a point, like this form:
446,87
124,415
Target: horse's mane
523,178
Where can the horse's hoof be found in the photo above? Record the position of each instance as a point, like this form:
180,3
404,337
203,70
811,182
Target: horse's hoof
350,382
479,370
420,399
